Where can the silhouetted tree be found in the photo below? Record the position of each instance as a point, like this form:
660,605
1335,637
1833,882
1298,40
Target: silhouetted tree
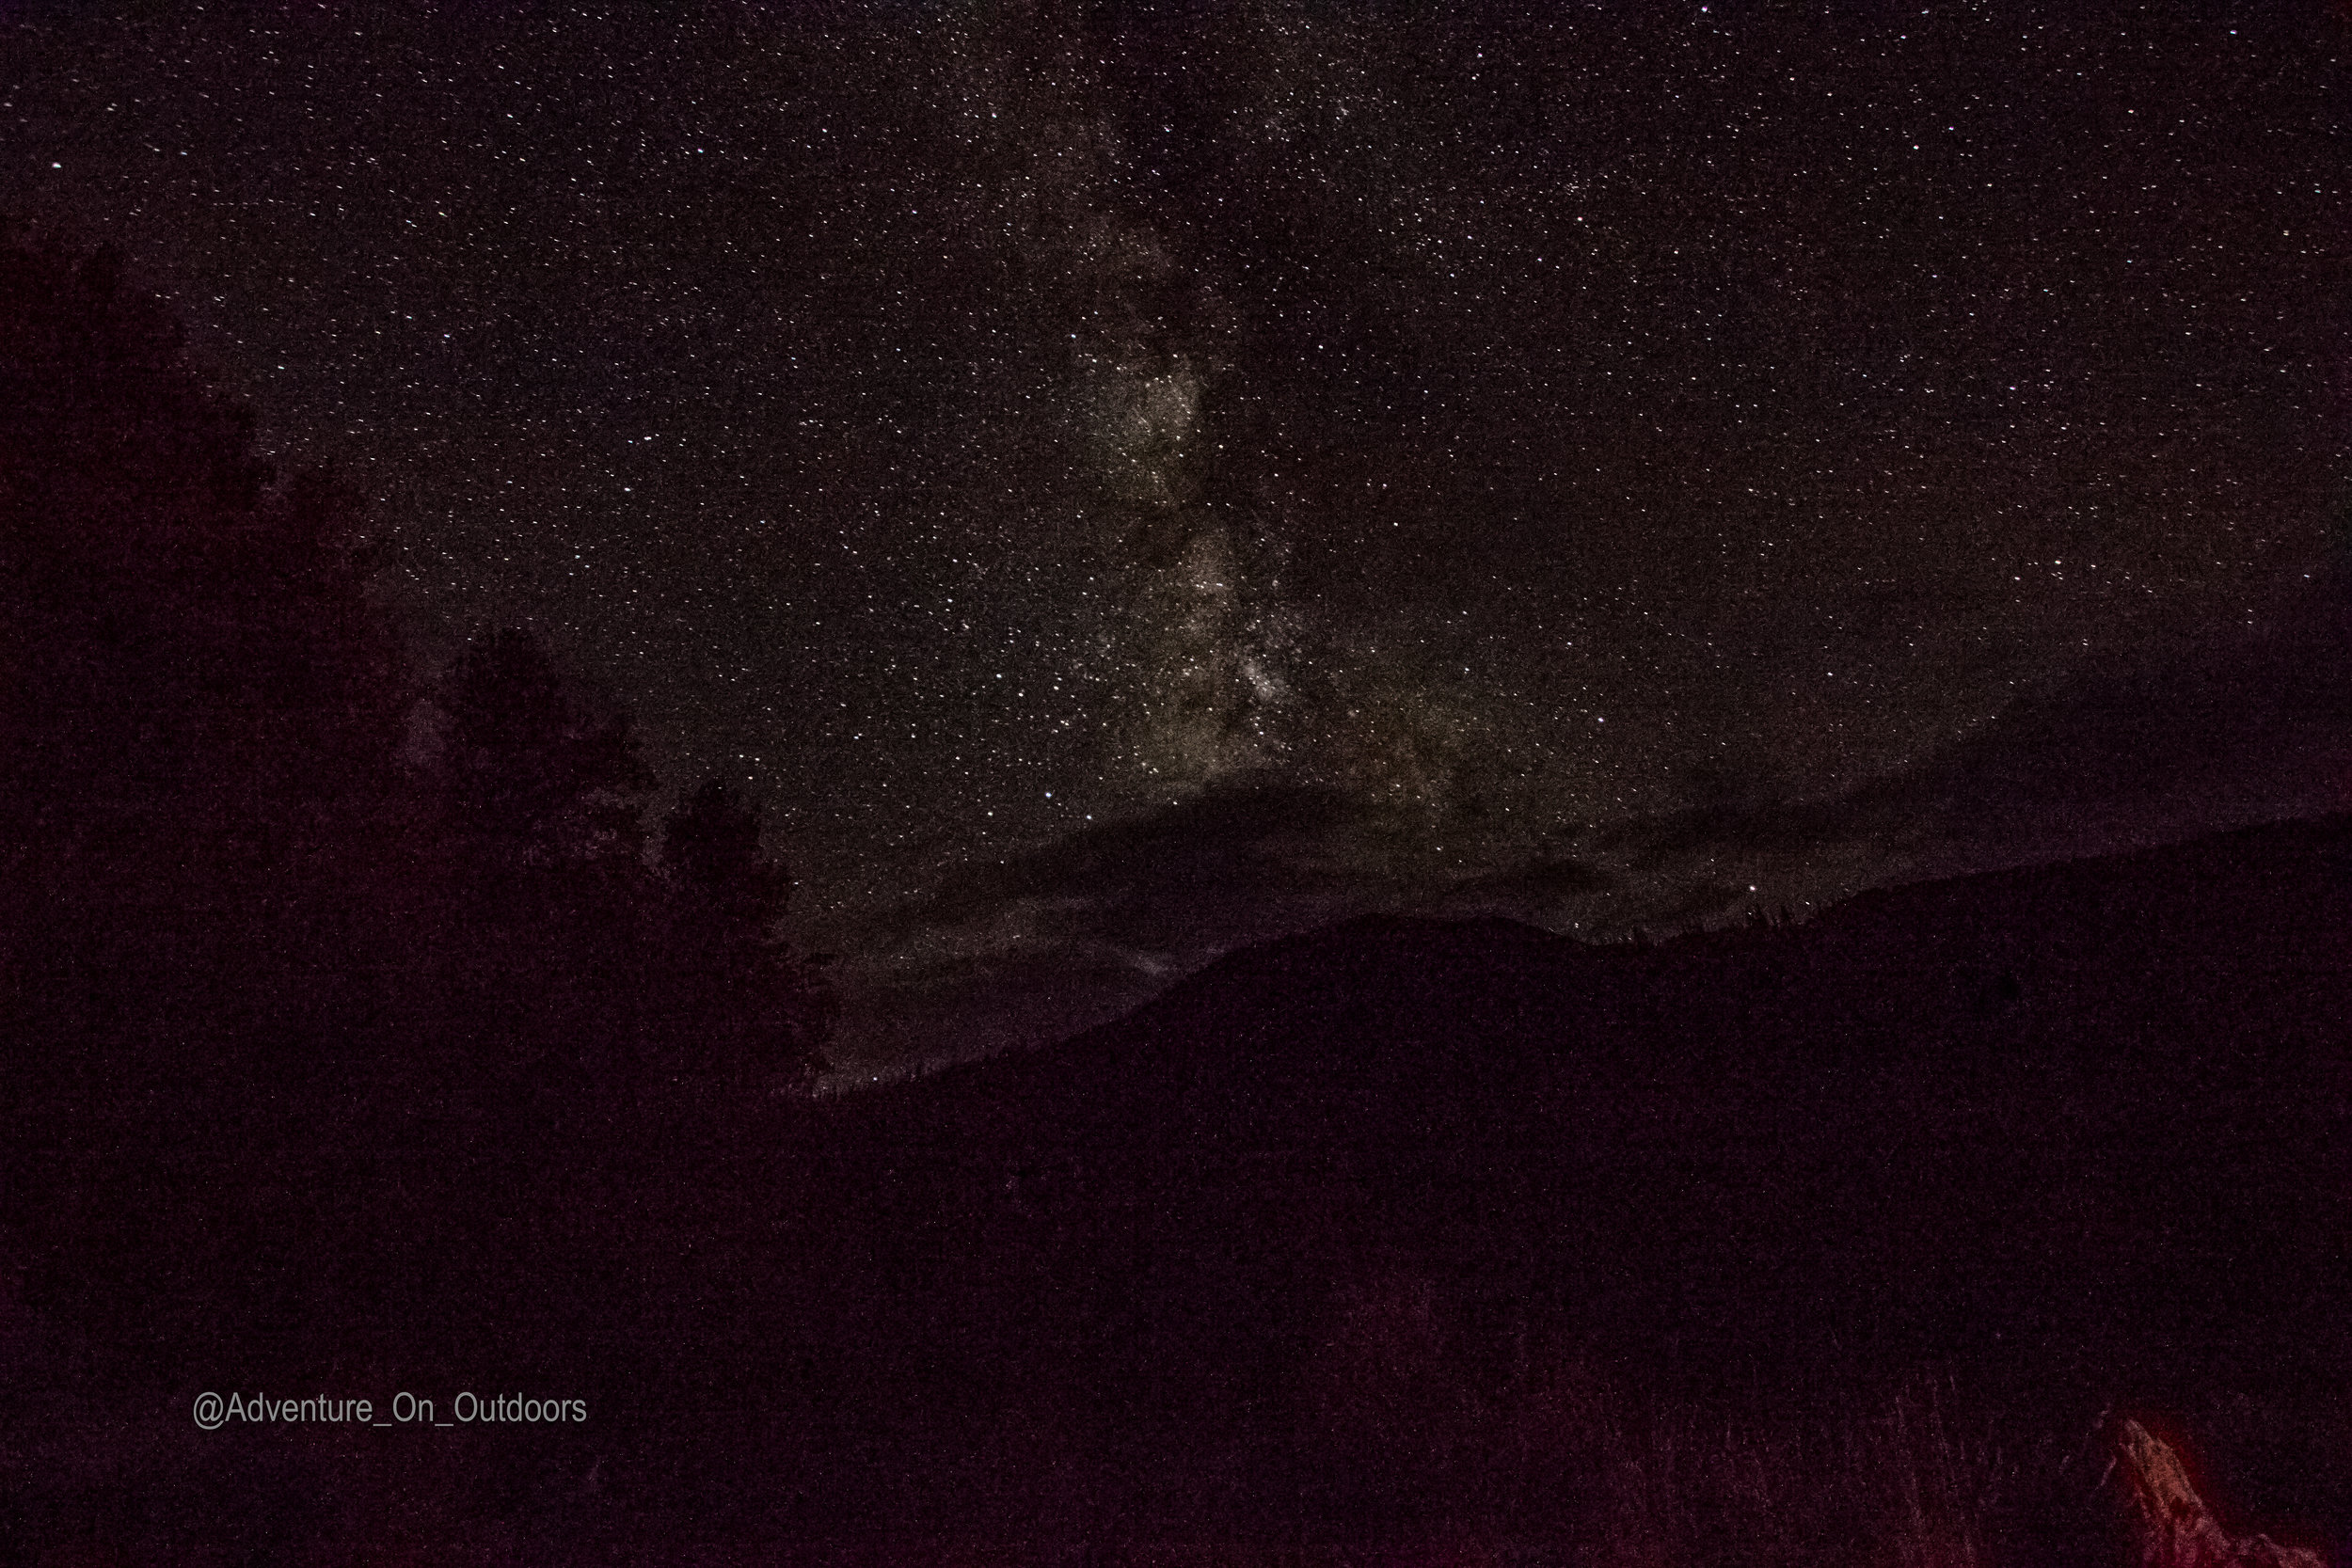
536,943
711,844
187,656
530,777
198,812
197,706
764,1014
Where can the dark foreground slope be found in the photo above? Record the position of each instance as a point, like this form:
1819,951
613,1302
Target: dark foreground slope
1319,1243
2078,1127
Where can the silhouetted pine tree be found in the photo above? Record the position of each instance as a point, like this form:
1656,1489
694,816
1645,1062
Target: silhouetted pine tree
264,1000
197,706
531,779
547,912
198,812
187,658
761,1015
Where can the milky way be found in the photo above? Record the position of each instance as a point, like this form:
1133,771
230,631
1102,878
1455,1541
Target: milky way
978,427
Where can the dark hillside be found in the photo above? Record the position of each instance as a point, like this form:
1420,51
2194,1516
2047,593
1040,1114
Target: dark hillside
2077,1126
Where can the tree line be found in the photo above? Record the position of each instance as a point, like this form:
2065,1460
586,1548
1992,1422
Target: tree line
263,878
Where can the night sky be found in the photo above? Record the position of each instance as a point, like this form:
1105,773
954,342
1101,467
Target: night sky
1119,482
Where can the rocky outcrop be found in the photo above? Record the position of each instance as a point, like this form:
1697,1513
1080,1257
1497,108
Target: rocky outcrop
2167,1524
